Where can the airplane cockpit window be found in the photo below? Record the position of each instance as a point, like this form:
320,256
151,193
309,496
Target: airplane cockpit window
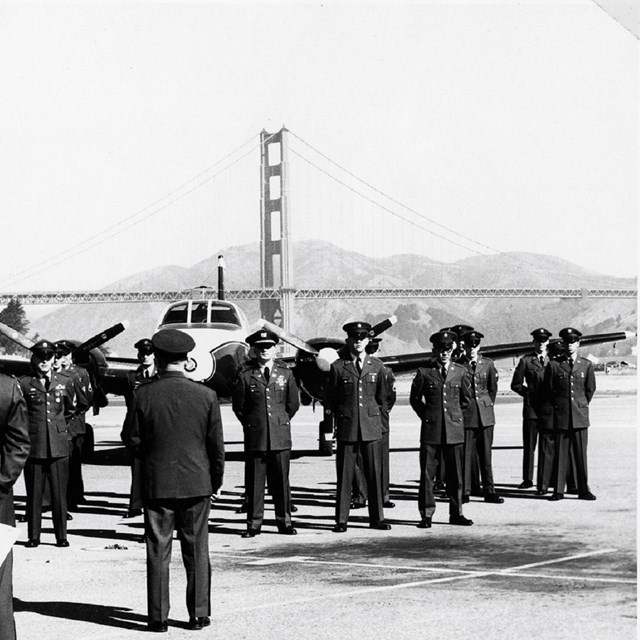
225,315
199,312
176,314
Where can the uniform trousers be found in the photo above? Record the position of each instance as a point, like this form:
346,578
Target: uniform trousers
477,448
546,451
346,456
529,441
567,442
75,488
36,472
359,487
7,622
271,467
453,455
189,516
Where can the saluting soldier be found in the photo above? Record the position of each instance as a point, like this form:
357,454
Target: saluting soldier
63,363
173,424
265,398
571,384
14,449
440,396
50,398
478,432
356,397
527,380
146,372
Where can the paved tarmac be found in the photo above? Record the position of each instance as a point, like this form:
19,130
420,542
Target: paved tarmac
528,568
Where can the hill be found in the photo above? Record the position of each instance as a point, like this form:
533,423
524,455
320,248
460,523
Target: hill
323,265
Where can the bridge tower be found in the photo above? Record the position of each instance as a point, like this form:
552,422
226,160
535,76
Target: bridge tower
275,258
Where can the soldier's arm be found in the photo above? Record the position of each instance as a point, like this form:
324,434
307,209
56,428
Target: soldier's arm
518,381
293,396
492,382
130,434
391,388
590,383
215,445
415,395
15,443
467,398
238,397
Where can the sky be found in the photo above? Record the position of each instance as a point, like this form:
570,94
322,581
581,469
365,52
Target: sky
129,130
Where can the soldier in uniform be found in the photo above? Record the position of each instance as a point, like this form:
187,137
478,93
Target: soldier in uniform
440,395
77,426
570,384
478,432
50,398
527,382
264,399
145,372
173,424
356,397
14,449
359,488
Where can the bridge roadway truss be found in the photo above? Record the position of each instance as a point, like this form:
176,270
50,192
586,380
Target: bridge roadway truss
202,293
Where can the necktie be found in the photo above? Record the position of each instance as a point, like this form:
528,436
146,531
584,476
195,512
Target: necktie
542,360
444,372
359,365
474,364
266,374
146,373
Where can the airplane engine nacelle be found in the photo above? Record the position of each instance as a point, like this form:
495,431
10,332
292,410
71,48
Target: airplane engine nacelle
312,371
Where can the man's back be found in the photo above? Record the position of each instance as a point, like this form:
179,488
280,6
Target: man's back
174,425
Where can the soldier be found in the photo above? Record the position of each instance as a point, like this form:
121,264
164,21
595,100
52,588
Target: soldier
478,433
173,424
359,488
77,426
265,398
570,384
356,397
146,372
14,449
527,382
440,396
50,401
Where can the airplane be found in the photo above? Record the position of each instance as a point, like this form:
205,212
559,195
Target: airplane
219,329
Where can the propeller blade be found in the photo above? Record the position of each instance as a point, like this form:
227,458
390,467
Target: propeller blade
103,336
16,336
379,328
289,338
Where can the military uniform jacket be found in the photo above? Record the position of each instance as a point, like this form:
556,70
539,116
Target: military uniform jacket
84,398
484,383
14,438
49,414
357,401
174,426
390,381
265,410
570,391
441,404
137,378
527,382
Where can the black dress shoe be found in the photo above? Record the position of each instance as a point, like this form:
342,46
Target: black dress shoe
460,520
158,627
494,498
357,505
465,499
388,504
32,543
556,496
541,492
586,496
133,513
293,508
381,526
69,516
242,508
525,484
339,528
251,533
62,543
288,531
425,523
195,624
